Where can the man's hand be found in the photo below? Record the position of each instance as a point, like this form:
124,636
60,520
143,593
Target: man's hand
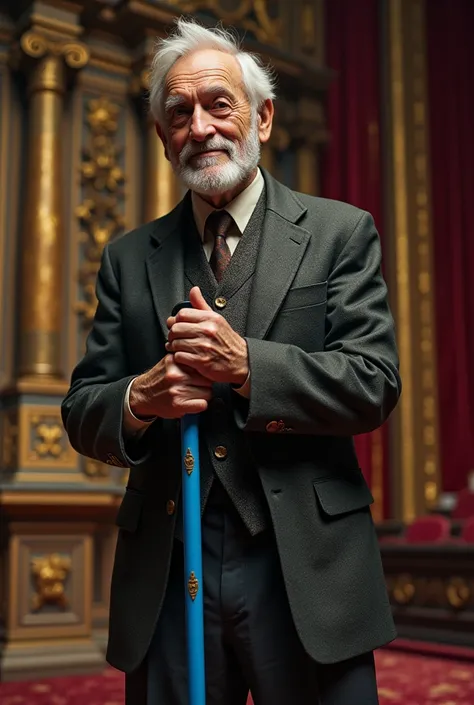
169,391
202,339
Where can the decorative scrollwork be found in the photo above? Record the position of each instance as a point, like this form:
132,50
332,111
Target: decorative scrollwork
251,15
50,573
49,435
99,213
458,593
403,589
36,45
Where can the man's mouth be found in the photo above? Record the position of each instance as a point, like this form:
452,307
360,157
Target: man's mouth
209,153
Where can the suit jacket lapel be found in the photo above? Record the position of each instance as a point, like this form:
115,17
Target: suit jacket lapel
165,265
282,247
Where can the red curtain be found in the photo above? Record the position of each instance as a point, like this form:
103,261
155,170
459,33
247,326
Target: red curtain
450,41
351,166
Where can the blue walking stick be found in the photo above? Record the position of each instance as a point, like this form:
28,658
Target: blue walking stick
193,593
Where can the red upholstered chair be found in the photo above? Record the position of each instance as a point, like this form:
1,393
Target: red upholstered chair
434,528
467,534
465,505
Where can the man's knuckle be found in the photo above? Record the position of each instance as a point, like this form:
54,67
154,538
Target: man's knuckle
175,400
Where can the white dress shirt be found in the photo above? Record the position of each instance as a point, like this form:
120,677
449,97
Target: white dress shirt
241,210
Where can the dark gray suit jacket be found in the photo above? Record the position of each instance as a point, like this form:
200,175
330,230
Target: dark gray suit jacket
324,367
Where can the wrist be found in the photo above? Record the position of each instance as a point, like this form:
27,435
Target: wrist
240,378
241,374
137,400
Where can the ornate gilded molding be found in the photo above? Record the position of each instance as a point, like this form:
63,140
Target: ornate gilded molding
450,592
252,15
50,574
99,214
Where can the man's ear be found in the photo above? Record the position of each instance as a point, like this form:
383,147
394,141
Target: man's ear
161,135
265,121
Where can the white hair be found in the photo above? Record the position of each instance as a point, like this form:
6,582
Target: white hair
188,36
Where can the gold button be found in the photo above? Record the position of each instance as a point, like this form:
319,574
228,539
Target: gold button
220,452
170,507
220,302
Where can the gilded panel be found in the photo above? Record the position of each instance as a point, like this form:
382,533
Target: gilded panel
50,590
100,204
101,207
42,439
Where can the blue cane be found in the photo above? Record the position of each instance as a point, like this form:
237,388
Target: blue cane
191,498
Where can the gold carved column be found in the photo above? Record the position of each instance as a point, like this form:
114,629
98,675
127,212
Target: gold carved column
308,168
161,187
267,157
46,62
416,463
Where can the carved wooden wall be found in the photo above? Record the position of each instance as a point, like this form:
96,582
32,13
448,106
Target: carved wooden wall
79,165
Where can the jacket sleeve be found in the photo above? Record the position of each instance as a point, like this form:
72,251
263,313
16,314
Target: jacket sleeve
93,408
353,385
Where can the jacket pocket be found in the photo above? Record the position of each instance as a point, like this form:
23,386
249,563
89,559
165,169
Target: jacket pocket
341,495
129,513
304,296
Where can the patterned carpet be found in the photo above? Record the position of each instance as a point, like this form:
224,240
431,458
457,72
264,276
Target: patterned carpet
407,679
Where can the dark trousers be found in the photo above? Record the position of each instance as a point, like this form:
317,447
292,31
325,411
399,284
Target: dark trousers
250,639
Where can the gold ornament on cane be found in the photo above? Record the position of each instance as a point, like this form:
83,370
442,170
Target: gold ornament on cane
189,461
193,586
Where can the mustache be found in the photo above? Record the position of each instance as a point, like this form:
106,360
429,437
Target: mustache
190,150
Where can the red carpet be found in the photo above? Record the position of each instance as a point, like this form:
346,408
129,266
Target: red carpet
404,679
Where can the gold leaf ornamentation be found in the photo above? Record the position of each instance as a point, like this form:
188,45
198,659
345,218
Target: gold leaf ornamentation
50,573
189,461
99,213
193,586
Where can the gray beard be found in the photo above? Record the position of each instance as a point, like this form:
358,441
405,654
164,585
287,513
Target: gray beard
211,178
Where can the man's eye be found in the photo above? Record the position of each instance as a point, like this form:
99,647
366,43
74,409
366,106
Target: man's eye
220,104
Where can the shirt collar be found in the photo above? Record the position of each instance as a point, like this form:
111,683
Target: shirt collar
241,208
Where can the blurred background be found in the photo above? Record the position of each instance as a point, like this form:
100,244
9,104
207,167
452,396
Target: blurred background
375,107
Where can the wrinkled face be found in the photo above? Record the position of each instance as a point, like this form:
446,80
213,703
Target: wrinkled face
211,132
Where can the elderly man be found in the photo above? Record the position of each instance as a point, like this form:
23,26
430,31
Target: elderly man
288,352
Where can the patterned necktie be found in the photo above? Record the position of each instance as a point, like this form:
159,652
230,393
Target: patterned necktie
217,226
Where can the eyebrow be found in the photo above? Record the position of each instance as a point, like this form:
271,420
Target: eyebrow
213,91
172,101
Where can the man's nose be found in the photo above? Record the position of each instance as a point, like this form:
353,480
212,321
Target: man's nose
201,126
